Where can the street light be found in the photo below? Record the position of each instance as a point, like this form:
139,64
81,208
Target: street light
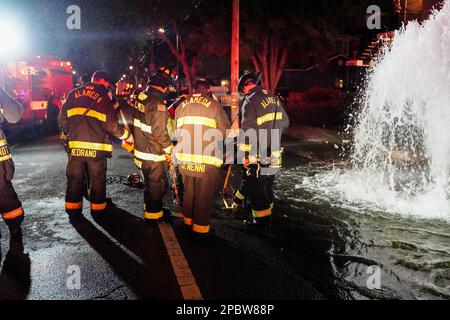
9,40
131,68
177,43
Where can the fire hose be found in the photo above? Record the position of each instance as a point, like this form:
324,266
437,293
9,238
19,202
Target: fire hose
232,135
225,187
127,146
175,187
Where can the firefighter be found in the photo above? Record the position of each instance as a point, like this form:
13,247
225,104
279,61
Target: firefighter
87,121
10,206
201,125
85,79
263,121
153,145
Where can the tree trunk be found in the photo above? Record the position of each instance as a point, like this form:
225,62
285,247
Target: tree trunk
280,69
270,61
188,75
273,63
264,66
188,70
397,7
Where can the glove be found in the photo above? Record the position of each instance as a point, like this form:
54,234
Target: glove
128,144
245,163
64,141
130,140
169,159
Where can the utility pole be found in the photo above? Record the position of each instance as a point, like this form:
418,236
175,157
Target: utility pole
234,61
405,12
397,14
152,67
178,65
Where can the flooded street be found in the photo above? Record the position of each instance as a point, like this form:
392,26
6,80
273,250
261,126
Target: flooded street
412,256
320,246
225,159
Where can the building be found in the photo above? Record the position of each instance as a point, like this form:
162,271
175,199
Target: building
408,10
404,11
345,64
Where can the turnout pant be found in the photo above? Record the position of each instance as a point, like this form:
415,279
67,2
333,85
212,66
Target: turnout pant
198,199
259,192
10,206
241,193
155,185
76,186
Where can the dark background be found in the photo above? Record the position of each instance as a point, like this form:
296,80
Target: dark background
111,31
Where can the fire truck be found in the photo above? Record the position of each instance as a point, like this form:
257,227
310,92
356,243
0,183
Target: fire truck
41,84
124,88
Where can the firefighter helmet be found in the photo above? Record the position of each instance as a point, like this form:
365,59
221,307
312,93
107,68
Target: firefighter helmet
169,73
100,75
85,78
202,83
134,180
163,77
203,87
247,79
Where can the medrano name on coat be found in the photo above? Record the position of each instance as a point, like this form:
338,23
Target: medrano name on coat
84,153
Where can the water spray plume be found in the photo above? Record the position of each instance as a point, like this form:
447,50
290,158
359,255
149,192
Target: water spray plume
401,153
8,37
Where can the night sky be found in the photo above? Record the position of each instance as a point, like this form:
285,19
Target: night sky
107,27
98,45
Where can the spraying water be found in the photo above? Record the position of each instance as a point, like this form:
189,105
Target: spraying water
401,153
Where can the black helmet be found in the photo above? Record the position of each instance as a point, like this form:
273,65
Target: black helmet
100,75
134,180
163,77
247,79
85,78
202,83
203,87
168,73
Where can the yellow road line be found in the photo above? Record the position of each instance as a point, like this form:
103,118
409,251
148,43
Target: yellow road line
185,278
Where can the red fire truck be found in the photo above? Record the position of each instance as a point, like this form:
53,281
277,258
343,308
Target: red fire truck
41,84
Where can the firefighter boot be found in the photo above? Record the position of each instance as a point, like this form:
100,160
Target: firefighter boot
248,214
14,226
264,224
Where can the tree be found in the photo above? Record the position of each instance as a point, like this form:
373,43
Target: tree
199,40
270,60
180,54
269,39
277,34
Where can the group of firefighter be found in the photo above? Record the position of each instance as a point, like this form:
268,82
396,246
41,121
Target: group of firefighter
89,121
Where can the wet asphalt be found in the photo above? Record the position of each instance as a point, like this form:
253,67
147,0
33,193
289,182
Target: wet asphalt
122,257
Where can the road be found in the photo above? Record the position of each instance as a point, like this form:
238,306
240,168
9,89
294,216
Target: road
122,257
